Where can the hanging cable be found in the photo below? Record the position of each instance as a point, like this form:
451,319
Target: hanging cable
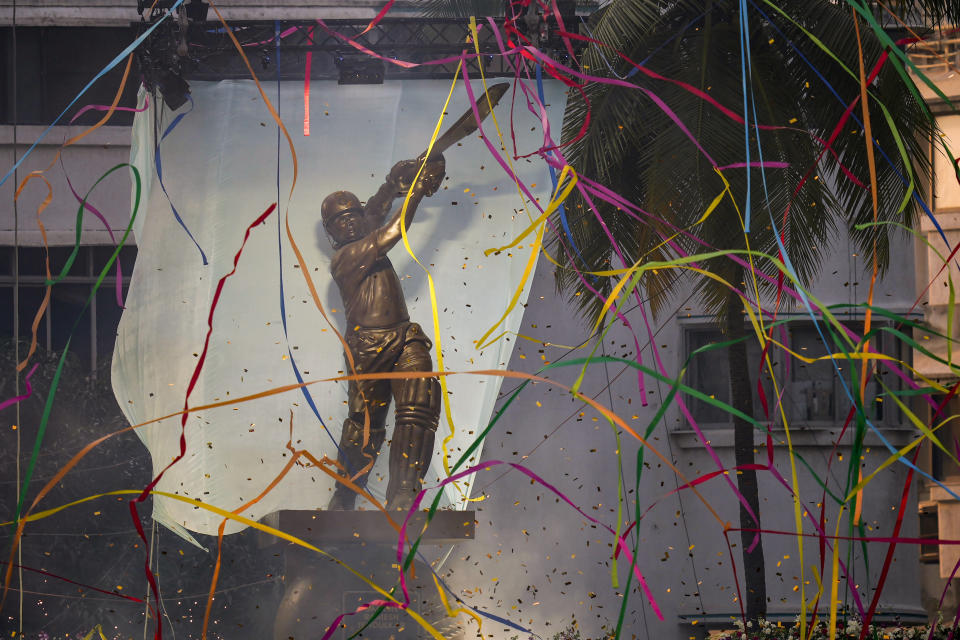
16,298
623,484
683,513
146,598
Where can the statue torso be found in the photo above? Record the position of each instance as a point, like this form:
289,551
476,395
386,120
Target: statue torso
369,286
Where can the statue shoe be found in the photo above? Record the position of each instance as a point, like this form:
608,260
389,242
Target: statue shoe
342,500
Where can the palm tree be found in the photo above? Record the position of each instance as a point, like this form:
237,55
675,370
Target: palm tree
462,8
635,148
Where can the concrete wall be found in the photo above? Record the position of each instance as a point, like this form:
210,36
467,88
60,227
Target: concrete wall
82,163
116,13
536,560
547,565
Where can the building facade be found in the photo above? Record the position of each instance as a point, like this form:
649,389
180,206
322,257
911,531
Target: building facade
536,561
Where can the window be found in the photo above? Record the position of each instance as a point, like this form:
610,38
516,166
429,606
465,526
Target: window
96,329
813,393
709,373
54,63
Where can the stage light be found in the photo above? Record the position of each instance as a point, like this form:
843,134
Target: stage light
164,58
173,88
359,69
197,10
161,5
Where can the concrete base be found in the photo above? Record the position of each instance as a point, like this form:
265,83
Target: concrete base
317,589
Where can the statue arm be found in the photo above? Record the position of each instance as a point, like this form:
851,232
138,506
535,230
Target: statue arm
430,178
378,206
396,185
389,234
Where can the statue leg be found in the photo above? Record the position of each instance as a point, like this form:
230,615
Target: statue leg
417,404
353,455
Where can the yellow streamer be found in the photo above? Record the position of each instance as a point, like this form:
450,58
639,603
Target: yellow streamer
250,523
540,223
835,582
536,340
554,203
99,631
452,613
615,292
434,309
886,463
493,116
757,324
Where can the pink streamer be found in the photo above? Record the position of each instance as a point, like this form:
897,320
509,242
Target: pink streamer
283,34
754,165
106,107
656,352
621,542
306,87
9,401
118,281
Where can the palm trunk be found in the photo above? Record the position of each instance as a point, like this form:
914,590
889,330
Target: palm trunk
741,390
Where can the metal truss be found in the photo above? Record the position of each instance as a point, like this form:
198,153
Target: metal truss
212,55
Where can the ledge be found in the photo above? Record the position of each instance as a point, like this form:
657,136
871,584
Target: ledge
801,436
116,13
356,527
907,614
947,217
939,494
27,134
700,625
32,237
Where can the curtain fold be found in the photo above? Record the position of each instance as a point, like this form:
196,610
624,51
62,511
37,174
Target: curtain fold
222,166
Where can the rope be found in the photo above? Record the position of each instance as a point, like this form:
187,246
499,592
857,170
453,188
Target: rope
16,298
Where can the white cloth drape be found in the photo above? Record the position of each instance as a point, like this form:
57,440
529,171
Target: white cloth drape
220,168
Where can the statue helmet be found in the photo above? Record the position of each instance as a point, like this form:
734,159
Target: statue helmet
338,203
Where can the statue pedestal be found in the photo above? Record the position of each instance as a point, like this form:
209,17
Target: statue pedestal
317,589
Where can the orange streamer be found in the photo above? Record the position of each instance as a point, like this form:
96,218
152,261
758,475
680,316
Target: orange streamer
871,161
34,327
286,217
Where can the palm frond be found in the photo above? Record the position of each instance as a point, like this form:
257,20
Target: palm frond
461,8
635,147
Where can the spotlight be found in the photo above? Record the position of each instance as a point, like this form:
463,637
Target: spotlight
161,5
197,10
173,88
359,69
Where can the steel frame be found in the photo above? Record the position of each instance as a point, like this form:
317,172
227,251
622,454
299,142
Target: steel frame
212,54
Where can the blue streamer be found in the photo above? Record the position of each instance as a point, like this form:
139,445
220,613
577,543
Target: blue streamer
553,173
746,67
668,41
283,307
916,194
123,54
483,613
806,303
156,159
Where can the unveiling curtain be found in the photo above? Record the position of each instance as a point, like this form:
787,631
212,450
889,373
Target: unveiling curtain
222,165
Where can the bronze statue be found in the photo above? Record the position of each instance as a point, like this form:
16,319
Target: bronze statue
379,333
381,337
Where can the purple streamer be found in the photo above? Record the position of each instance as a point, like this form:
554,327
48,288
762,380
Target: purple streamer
89,207
106,107
621,542
9,401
